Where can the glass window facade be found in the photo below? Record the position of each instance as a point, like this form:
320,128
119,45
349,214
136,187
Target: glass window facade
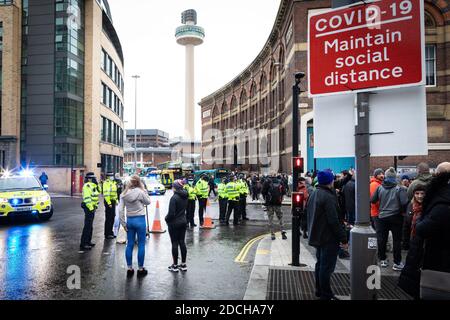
430,64
69,82
111,163
111,69
111,100
111,132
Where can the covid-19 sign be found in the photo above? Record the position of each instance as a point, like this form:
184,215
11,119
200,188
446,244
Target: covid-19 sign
364,47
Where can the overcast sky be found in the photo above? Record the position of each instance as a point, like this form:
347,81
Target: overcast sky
236,31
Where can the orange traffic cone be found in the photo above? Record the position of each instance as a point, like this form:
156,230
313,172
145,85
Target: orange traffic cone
156,228
207,224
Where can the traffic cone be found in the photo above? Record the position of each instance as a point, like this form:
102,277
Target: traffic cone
156,228
207,223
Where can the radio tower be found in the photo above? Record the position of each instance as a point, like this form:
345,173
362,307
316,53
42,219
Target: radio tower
189,35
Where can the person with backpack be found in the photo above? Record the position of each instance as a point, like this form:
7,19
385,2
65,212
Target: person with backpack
393,201
273,192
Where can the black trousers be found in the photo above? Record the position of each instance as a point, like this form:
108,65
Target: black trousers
86,236
233,206
110,215
201,209
212,189
190,211
223,202
395,225
243,207
326,263
177,237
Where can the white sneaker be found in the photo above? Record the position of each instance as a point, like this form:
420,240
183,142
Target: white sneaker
173,268
384,263
398,267
182,267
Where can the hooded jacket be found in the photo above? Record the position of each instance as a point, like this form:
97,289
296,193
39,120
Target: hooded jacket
374,207
323,218
176,216
135,201
434,229
422,179
393,199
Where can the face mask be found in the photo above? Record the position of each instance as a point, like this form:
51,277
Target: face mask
111,178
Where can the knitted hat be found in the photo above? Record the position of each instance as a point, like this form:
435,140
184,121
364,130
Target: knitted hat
325,177
377,172
390,173
178,184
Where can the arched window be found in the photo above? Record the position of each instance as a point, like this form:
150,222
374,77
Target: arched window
429,20
263,82
273,73
234,103
224,108
215,112
253,90
243,99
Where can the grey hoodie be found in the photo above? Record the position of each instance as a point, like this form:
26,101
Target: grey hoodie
393,199
135,201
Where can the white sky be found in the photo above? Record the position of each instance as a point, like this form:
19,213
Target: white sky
236,31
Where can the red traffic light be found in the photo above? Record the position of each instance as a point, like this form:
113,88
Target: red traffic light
298,199
297,163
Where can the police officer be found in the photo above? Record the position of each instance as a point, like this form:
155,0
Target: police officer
233,201
89,205
243,192
223,199
119,185
110,200
192,196
202,191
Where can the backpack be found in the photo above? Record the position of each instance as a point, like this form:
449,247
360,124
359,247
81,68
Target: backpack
275,194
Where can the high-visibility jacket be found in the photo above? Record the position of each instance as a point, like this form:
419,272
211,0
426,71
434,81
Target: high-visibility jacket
232,191
90,195
202,189
222,190
110,191
192,194
243,188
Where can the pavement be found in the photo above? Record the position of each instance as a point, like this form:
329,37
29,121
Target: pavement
277,255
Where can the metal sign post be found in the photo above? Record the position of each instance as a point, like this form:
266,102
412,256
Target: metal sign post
362,235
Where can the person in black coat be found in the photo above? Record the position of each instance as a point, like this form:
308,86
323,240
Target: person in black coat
430,249
326,233
349,192
176,222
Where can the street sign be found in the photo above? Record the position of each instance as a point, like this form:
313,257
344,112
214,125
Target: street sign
392,115
365,47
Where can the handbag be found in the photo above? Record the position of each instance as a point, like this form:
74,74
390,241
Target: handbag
434,285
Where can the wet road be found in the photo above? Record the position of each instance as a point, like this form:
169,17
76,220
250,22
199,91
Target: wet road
34,258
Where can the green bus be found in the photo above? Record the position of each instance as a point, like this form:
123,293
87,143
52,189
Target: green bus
218,174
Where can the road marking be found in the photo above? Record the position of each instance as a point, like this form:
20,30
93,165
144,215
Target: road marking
240,258
262,251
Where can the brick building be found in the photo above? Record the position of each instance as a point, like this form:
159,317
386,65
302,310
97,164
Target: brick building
259,98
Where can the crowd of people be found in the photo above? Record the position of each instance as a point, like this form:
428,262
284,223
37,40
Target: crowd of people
416,213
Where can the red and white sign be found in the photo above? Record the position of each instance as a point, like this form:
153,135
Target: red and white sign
366,47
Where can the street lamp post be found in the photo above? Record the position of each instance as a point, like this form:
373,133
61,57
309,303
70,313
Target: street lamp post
136,77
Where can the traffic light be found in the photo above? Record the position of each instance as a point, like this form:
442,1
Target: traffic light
297,165
298,199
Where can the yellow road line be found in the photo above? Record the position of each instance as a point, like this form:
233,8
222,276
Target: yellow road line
241,256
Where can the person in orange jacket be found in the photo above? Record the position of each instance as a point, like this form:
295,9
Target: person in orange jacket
375,182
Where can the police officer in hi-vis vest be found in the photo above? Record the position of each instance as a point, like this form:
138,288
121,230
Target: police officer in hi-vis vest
233,201
89,205
192,196
223,199
110,197
202,191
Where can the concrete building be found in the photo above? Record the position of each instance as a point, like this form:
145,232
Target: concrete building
147,156
147,138
260,98
62,89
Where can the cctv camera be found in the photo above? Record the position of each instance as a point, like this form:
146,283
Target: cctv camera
299,75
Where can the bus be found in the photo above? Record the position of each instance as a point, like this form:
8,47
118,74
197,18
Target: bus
218,174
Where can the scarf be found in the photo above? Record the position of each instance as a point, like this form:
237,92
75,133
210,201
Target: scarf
417,212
